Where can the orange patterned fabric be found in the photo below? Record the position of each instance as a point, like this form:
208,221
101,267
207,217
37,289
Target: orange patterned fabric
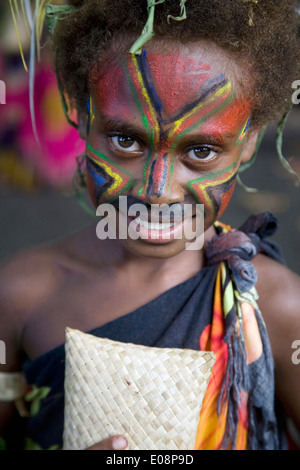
238,410
212,424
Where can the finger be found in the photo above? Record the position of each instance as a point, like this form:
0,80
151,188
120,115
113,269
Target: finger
111,443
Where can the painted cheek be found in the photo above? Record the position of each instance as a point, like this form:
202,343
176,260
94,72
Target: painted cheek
92,187
224,196
214,190
107,179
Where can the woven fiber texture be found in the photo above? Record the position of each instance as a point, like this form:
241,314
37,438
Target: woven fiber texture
153,396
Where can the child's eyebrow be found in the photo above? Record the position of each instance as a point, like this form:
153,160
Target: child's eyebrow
210,137
117,124
220,136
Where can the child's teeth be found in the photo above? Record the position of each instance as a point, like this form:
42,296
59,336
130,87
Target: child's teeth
152,225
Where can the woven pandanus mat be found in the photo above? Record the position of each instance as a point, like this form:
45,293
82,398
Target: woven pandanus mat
153,396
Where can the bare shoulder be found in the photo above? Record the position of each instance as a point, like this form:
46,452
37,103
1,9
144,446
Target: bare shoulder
279,301
26,279
29,276
26,276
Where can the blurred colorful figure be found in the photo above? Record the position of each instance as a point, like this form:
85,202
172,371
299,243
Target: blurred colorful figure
24,162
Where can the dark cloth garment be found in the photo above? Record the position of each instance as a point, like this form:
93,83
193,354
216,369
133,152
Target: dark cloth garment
175,319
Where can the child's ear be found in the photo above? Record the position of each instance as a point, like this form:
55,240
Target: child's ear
249,144
82,124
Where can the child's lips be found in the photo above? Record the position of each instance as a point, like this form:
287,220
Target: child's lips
159,232
155,225
158,224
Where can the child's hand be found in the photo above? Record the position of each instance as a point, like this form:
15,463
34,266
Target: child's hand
111,443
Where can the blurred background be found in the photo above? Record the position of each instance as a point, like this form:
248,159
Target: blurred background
37,203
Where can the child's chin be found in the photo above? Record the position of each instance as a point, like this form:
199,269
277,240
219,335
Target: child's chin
155,248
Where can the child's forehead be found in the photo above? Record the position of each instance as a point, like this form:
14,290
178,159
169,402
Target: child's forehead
176,68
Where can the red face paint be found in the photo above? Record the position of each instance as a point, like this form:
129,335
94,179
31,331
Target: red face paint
172,81
170,104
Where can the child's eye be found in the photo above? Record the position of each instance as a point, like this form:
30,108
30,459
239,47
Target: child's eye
201,153
125,143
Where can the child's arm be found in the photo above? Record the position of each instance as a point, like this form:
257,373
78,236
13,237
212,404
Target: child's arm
279,302
18,291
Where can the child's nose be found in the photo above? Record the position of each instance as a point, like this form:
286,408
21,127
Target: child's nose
159,184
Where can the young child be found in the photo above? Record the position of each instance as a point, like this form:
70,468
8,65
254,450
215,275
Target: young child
168,119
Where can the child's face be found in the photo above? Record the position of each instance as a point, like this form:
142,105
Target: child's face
167,128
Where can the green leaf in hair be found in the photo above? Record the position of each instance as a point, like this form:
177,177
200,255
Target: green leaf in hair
279,142
148,31
182,13
244,186
253,3
245,166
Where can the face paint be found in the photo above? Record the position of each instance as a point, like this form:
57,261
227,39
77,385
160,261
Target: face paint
168,118
243,133
107,180
214,191
167,103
